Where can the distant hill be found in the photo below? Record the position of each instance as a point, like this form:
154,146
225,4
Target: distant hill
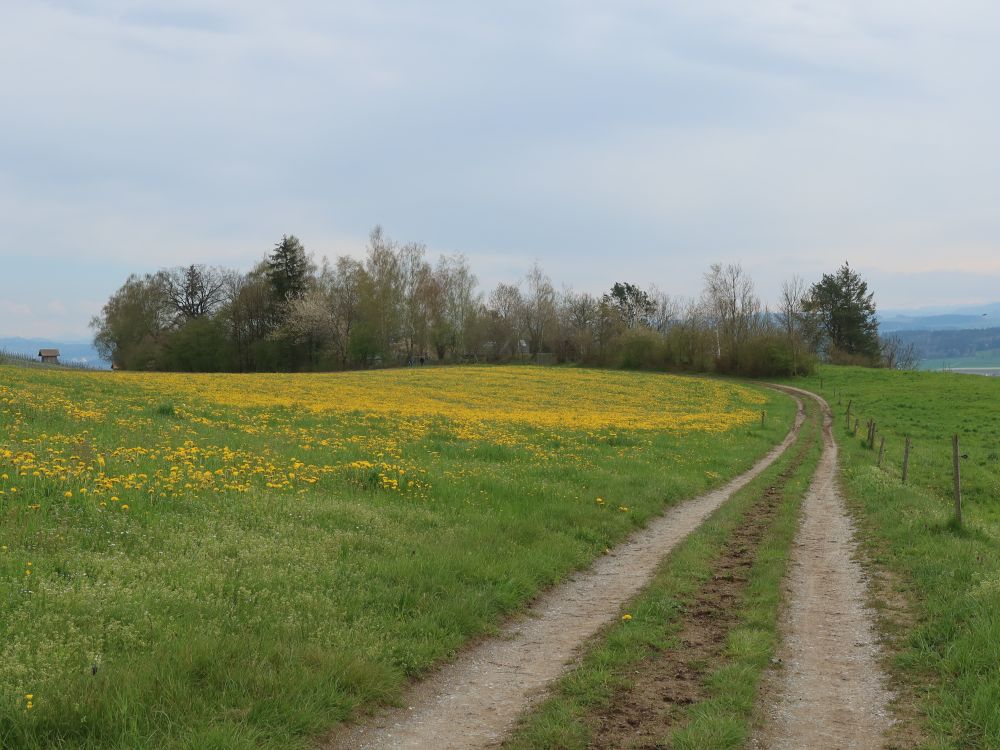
976,347
70,352
936,319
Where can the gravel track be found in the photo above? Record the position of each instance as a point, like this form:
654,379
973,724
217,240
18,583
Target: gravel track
474,701
829,691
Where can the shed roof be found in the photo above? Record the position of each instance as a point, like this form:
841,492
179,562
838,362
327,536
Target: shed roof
48,352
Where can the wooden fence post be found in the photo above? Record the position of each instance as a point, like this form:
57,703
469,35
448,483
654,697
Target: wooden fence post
956,462
849,412
881,452
762,413
857,421
906,459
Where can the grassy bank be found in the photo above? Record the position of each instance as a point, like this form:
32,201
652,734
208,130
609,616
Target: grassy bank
714,710
945,658
242,561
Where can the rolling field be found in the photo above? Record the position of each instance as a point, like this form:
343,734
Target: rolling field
945,645
243,561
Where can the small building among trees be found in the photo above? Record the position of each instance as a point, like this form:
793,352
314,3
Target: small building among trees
49,356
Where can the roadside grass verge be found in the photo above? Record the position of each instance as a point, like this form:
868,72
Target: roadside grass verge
243,561
945,645
719,713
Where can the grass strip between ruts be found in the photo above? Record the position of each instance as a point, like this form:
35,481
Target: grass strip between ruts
608,666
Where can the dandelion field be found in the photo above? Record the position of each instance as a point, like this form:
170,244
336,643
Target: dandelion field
227,561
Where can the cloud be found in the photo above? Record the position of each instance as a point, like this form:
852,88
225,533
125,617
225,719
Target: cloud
640,138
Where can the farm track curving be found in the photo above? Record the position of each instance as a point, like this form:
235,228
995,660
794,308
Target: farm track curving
474,701
661,686
830,691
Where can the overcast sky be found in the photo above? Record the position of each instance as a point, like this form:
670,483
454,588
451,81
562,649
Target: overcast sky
624,140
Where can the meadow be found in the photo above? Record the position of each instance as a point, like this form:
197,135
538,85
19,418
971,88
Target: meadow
944,644
227,561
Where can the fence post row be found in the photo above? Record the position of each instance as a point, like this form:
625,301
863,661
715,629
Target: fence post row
906,459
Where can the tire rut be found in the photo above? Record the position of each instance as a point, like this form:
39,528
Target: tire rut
641,716
474,701
831,692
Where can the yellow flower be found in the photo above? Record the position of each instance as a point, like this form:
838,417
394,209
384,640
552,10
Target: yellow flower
29,696
599,501
68,493
124,507
626,617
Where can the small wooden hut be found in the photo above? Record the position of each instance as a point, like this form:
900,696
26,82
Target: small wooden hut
50,356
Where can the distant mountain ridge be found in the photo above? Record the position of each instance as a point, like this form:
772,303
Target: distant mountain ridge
75,352
965,317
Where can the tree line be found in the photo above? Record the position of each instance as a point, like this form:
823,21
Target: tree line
396,306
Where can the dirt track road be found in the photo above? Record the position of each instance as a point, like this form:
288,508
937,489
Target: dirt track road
475,701
829,692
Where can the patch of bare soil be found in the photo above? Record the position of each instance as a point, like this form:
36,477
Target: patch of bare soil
641,717
476,700
830,692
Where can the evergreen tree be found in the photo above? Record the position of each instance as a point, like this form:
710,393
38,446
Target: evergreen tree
288,269
842,312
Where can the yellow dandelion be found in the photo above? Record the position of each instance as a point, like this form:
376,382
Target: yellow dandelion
626,617
124,506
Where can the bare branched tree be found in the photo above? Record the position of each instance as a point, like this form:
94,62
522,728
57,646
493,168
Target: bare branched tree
897,355
194,291
733,309
792,317
539,307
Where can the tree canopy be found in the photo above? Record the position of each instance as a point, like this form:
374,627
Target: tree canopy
398,306
842,311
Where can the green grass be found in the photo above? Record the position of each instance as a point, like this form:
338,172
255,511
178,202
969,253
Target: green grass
949,657
724,718
260,615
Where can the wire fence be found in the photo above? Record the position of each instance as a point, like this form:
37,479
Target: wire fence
20,358
874,436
